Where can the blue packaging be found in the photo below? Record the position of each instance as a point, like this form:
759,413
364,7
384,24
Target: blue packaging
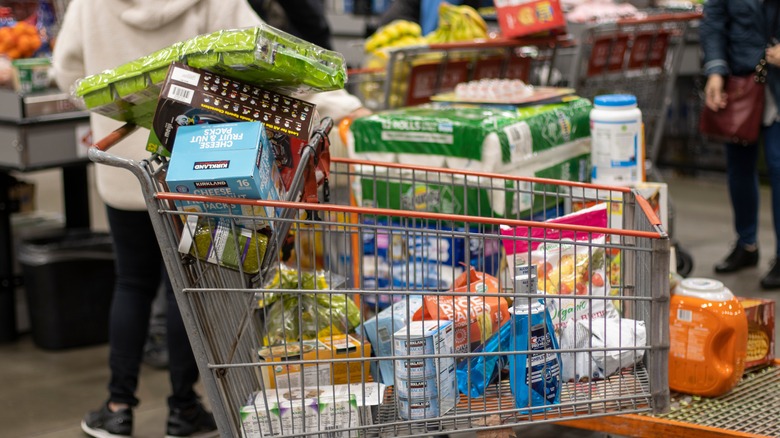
541,371
379,332
413,256
476,373
225,159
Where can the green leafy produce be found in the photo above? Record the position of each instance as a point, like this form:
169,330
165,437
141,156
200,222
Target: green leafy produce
294,317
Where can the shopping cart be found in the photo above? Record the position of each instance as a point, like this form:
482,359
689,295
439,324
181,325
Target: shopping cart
266,330
411,75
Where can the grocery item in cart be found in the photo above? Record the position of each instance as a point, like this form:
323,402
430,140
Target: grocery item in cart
535,376
569,264
436,192
232,160
476,316
191,96
379,332
426,387
421,255
708,338
476,373
298,411
220,241
615,344
260,55
300,316
358,349
469,138
760,313
276,374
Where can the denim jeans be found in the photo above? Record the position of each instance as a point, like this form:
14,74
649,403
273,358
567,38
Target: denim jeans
139,273
742,170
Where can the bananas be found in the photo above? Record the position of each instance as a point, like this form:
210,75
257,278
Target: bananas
399,33
458,23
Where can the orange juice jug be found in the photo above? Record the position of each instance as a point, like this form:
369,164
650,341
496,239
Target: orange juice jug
708,334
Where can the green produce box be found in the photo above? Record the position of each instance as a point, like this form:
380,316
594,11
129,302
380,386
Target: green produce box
469,137
260,55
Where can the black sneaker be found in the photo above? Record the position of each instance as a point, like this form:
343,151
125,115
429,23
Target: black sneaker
106,424
194,422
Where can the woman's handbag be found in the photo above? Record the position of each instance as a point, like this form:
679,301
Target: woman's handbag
740,121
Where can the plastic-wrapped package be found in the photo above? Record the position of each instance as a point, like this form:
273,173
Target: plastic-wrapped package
295,317
260,55
224,243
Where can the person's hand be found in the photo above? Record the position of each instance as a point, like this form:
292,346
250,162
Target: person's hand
772,55
715,98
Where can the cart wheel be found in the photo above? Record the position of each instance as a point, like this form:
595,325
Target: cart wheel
684,261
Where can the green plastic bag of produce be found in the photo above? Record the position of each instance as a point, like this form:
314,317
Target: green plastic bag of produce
301,316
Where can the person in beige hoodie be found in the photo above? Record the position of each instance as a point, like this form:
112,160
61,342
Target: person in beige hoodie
97,35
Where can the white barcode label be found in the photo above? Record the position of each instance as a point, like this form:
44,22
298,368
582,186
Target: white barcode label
520,141
186,76
684,315
181,94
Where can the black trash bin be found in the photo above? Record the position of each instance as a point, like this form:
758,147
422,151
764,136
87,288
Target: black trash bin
69,283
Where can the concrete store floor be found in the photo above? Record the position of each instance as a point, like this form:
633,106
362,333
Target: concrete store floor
45,394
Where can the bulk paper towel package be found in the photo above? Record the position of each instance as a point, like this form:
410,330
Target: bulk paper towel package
469,137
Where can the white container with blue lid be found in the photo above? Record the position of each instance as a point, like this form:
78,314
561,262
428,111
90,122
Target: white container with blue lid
617,141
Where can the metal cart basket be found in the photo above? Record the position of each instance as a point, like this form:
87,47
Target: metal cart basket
267,300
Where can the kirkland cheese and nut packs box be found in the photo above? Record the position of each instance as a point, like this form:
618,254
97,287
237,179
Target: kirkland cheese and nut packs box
229,159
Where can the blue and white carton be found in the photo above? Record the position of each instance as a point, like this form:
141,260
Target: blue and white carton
234,160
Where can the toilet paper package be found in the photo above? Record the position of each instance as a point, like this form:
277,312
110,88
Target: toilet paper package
468,137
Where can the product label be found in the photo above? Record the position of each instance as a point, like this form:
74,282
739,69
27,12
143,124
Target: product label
543,369
615,152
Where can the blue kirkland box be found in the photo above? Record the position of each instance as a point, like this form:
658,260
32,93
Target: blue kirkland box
226,159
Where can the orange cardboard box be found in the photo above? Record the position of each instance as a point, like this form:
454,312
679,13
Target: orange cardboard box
282,375
357,370
760,314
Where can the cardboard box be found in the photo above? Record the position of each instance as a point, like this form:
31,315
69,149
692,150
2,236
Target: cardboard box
229,159
761,331
349,347
280,375
312,409
525,17
379,331
192,96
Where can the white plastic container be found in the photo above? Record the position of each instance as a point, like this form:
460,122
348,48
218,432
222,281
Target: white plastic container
617,144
